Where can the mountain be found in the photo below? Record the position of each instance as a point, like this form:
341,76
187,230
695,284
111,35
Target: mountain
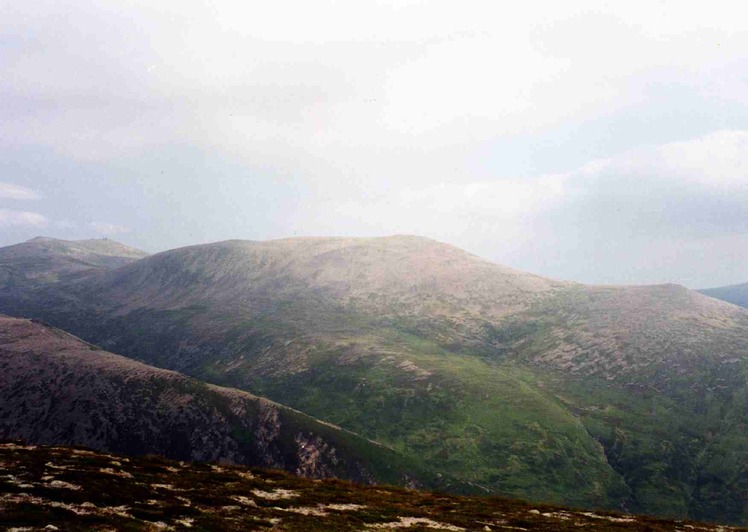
736,294
59,488
43,260
596,396
58,390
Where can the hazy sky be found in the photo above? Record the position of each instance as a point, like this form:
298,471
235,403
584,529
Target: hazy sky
602,142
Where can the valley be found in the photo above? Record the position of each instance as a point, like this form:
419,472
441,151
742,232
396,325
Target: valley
57,389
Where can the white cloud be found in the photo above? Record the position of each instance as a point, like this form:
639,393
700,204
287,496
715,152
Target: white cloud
318,86
715,163
9,218
718,160
17,192
583,223
104,228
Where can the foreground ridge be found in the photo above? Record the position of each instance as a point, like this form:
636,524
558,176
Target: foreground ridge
59,488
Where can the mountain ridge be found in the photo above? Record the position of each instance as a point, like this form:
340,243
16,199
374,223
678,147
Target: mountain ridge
508,380
737,294
43,260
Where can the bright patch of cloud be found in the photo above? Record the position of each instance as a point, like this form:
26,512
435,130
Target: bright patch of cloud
341,76
661,179
104,228
9,218
645,208
17,192
718,160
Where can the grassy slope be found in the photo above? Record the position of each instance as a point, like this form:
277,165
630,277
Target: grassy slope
672,419
487,417
680,455
55,388
499,420
482,422
472,419
511,426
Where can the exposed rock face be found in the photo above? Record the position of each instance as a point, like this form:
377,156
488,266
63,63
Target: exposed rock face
56,389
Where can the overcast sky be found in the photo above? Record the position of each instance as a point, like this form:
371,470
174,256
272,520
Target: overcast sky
602,142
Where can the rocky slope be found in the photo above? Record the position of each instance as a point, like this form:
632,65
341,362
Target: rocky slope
56,389
76,489
617,397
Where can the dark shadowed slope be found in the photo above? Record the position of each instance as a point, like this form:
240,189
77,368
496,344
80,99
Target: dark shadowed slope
43,260
76,489
618,397
56,389
736,294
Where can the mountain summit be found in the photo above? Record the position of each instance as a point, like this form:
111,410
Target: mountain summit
43,259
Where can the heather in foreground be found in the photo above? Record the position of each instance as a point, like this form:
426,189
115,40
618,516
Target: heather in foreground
56,488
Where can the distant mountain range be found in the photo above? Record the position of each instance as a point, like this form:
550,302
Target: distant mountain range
597,396
737,294
44,260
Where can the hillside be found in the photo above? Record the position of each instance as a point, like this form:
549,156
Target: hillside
595,396
404,277
77,489
45,259
56,389
736,294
